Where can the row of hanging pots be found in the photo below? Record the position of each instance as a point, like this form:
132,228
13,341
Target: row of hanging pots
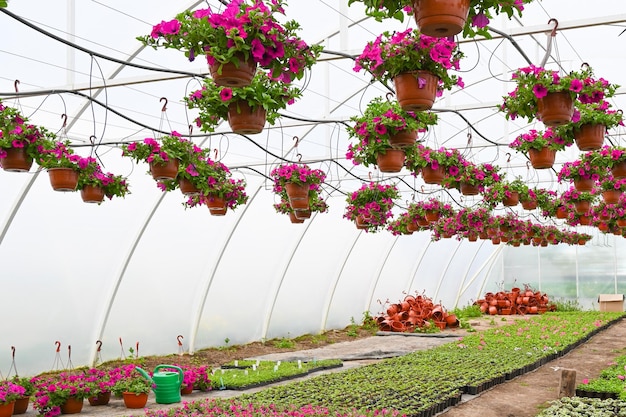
415,312
516,301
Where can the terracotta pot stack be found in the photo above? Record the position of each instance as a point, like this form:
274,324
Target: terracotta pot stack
515,301
415,312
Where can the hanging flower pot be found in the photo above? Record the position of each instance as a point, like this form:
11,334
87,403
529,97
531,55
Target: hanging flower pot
584,220
233,75
611,196
590,137
561,212
416,91
584,184
621,222
16,160
63,179
469,189
619,170
433,176
403,139
294,219
441,18
92,194
529,204
217,205
302,214
102,398
390,161
21,405
167,170
298,195
432,215
6,410
555,108
245,120
603,227
582,206
187,187
542,159
73,405
132,400
512,200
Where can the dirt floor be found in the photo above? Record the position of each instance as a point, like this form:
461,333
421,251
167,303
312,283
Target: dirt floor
520,397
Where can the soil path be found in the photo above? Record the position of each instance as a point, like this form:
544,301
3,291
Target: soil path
521,397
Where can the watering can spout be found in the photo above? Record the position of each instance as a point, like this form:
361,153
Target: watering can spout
144,374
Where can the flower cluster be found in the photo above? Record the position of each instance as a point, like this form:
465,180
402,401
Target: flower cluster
10,392
16,132
151,150
371,204
92,175
300,174
381,121
213,101
595,113
481,175
572,195
538,140
580,169
395,53
58,154
421,156
51,391
244,29
606,157
534,83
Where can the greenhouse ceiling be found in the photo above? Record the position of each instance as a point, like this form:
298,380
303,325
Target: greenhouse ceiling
145,269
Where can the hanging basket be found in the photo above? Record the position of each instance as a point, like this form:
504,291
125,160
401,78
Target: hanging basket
584,220
16,160
433,176
584,184
217,206
234,75
132,400
92,194
187,188
561,212
361,223
416,91
619,170
245,120
294,219
298,196
73,405
611,196
555,109
582,207
468,189
529,204
542,159
21,405
162,171
403,139
589,137
390,161
441,18
63,179
511,201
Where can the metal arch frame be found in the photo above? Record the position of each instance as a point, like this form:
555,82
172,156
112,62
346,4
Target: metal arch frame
16,206
111,297
374,284
196,323
331,291
445,270
461,284
272,304
496,253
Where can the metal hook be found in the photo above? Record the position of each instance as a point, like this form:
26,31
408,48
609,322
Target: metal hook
190,129
370,175
164,108
584,65
215,152
180,336
389,96
58,346
508,154
556,25
297,139
413,197
528,165
137,350
92,139
99,343
469,137
15,84
13,352
423,191
299,157
69,351
64,117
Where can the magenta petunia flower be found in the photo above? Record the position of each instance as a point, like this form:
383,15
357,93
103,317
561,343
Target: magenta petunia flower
540,91
576,85
226,94
480,20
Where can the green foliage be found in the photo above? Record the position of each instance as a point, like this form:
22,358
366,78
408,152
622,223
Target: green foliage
469,311
563,304
284,343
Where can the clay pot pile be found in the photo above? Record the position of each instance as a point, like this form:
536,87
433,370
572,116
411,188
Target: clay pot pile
415,312
515,301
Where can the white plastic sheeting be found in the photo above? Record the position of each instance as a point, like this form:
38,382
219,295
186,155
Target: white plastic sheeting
145,270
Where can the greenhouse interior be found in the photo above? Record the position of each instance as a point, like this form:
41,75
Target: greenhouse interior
462,212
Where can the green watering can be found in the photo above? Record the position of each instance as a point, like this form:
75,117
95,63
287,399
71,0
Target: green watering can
165,384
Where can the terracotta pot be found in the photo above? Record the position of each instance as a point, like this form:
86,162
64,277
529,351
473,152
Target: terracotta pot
555,109
302,214
589,137
505,311
533,310
468,189
361,223
294,219
132,400
496,240
234,75
72,406
452,320
63,179
493,310
403,139
298,196
582,207
164,171
584,184
91,194
213,201
102,399
390,161
584,220
187,188
511,201
603,227
542,159
611,196
6,410
397,326
433,176
416,91
245,120
472,237
529,204
186,390
441,18
561,212
218,211
21,405
621,222
16,160
619,170
421,221
441,324
432,215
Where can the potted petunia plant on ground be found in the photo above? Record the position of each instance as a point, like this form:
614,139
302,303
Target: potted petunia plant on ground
244,34
537,89
419,66
384,127
245,108
370,206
